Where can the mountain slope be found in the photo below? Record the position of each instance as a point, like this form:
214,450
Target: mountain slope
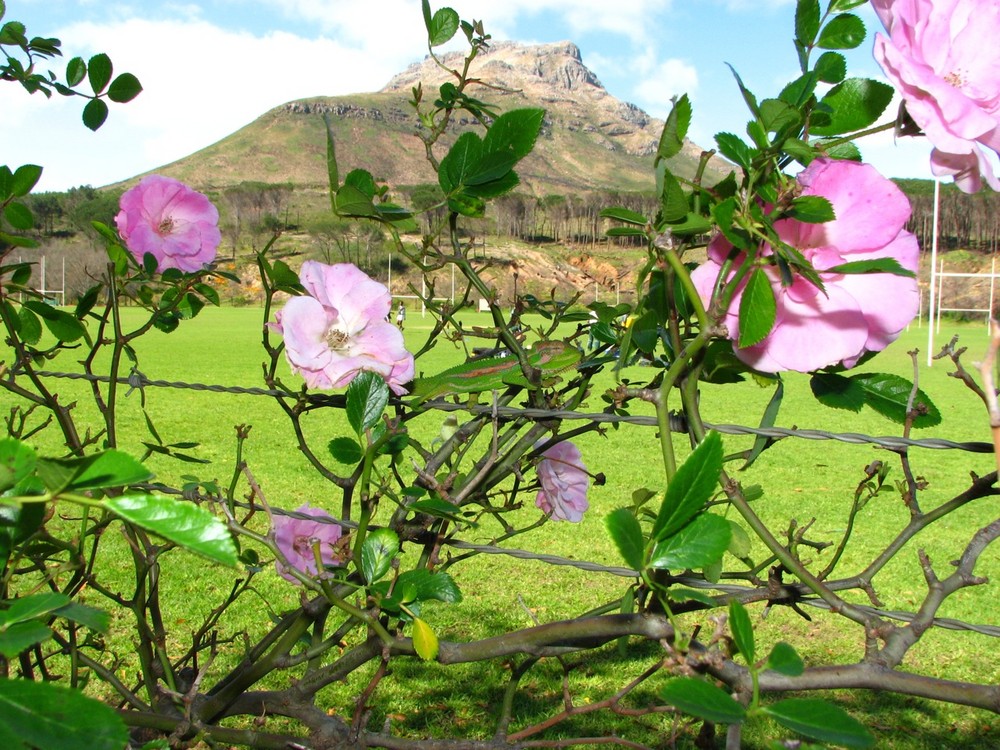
589,139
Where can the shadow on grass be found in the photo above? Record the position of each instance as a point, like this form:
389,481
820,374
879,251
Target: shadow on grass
465,701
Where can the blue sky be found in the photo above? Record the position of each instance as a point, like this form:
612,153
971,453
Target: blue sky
211,66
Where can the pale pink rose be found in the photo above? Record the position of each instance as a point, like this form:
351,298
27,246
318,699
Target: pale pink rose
340,329
295,538
943,58
175,224
859,312
564,479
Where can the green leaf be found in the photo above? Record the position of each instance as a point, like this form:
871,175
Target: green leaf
12,32
820,720
182,522
492,167
61,324
624,215
812,209
124,88
95,113
776,115
90,617
24,179
422,585
837,391
845,31
800,90
110,468
875,265
724,214
87,301
17,460
742,630
377,552
19,216
839,6
435,506
855,104
425,642
739,542
442,27
492,188
467,205
18,637
784,659
31,607
461,161
626,533
702,699
349,201
673,201
332,171
733,148
516,130
758,309
831,67
209,293
807,15
625,232
346,450
20,273
768,418
691,487
674,130
367,397
76,71
888,395
44,716
99,71
699,544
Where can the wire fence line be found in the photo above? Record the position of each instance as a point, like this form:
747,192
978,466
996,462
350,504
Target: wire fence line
945,623
136,380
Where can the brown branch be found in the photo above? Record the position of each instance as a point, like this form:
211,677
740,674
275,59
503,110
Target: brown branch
866,676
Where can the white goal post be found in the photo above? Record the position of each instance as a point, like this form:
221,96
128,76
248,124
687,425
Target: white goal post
935,303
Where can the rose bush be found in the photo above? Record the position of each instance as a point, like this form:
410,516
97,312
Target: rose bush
855,313
943,58
340,329
564,480
165,218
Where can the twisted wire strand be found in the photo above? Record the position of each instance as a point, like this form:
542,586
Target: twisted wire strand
138,380
891,442
945,623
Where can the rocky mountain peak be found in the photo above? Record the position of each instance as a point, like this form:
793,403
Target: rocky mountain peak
512,65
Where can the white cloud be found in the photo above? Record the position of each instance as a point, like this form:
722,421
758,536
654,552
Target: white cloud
201,82
662,81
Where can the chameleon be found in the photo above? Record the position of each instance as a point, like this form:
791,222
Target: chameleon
496,373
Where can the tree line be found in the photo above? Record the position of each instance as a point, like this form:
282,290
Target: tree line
254,212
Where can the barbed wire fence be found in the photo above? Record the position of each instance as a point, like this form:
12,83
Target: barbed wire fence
137,381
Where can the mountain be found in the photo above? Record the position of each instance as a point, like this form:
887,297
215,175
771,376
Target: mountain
589,139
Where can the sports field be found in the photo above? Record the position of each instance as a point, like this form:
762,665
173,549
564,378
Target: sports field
803,481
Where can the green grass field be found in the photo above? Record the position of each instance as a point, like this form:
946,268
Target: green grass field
802,480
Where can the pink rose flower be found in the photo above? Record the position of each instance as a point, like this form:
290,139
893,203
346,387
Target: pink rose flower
295,538
943,58
175,224
340,329
858,313
564,479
